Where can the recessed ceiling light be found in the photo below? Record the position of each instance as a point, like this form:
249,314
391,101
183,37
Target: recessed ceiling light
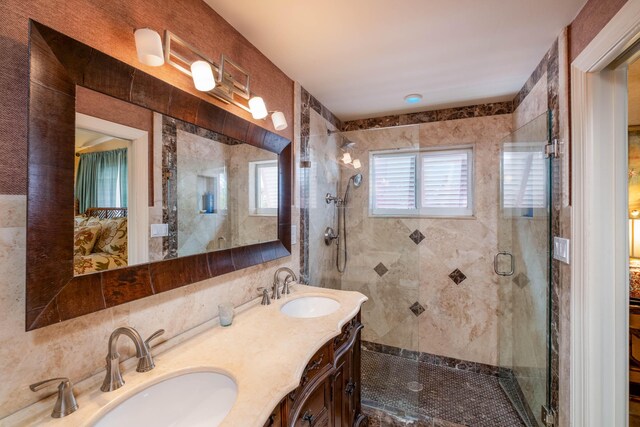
413,98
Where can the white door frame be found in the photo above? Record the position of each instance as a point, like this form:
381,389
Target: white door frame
138,178
599,271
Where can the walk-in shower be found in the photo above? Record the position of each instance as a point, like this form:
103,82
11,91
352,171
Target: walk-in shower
445,337
341,236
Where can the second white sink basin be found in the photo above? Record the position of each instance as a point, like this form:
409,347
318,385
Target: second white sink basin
193,399
307,307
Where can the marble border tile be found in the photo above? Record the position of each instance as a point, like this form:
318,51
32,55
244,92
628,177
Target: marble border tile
480,110
433,359
307,103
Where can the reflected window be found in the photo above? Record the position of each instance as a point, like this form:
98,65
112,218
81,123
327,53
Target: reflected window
524,179
263,188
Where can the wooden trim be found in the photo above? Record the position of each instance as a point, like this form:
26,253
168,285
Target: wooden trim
599,270
53,294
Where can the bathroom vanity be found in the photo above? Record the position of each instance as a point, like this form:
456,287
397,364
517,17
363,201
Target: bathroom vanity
329,390
297,369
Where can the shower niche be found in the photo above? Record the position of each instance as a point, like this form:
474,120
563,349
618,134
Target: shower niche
208,194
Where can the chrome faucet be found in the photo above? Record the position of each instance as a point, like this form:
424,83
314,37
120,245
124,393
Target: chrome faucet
276,283
113,379
66,403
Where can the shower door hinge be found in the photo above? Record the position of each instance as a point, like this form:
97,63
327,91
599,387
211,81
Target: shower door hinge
548,416
552,150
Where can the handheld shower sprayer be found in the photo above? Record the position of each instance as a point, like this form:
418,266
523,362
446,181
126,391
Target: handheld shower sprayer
341,235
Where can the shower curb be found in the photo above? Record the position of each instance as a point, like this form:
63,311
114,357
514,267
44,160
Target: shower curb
433,359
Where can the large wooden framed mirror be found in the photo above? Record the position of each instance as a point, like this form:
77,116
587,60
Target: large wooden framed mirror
198,194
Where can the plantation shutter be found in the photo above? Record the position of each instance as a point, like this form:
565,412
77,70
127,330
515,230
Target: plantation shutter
446,180
394,182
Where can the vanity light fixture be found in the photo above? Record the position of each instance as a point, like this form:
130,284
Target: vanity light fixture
279,120
226,81
202,76
258,108
149,47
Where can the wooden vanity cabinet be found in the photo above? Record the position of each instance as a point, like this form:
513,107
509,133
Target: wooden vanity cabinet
329,390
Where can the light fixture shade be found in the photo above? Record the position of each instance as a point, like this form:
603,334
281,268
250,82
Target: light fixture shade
202,75
346,158
258,108
279,121
634,238
356,164
149,47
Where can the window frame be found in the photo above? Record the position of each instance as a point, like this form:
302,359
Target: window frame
254,192
419,211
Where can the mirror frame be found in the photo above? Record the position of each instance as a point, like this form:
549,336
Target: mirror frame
53,294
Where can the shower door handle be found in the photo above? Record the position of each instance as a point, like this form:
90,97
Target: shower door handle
495,264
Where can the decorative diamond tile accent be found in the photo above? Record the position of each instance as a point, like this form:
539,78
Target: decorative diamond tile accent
521,280
417,237
457,276
381,269
417,308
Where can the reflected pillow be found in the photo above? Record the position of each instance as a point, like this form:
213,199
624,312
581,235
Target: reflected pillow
80,220
113,236
84,239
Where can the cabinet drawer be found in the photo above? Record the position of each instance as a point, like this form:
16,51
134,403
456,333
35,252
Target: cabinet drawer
275,420
317,365
314,411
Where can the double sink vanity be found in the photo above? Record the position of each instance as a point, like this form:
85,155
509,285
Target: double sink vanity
294,362
289,361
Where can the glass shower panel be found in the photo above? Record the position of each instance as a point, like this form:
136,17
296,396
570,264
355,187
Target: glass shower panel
523,265
383,262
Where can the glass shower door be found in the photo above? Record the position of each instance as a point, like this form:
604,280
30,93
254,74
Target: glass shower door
523,264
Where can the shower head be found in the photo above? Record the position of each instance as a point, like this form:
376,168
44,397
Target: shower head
357,182
346,143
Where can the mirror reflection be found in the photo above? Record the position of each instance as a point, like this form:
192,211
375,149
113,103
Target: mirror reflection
208,191
227,193
101,192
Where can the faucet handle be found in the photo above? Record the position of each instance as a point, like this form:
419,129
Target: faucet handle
265,296
153,336
287,281
66,403
146,363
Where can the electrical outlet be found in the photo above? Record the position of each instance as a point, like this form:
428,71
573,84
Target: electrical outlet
294,234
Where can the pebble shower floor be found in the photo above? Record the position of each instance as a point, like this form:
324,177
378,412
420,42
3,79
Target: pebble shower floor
449,397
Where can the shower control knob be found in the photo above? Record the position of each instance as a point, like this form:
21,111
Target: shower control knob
329,235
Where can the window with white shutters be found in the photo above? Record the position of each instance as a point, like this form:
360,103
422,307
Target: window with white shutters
524,179
422,183
394,183
263,191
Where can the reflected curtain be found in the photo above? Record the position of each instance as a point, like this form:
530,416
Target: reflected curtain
102,180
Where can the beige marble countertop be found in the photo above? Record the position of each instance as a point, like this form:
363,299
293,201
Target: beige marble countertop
264,351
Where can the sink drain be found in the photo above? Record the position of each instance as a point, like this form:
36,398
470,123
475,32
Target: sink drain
414,386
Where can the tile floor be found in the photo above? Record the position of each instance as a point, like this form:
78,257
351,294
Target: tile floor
449,397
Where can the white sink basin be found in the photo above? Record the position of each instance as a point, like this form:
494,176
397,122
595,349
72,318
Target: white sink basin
194,399
307,307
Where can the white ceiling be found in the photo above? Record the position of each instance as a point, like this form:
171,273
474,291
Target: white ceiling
361,57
